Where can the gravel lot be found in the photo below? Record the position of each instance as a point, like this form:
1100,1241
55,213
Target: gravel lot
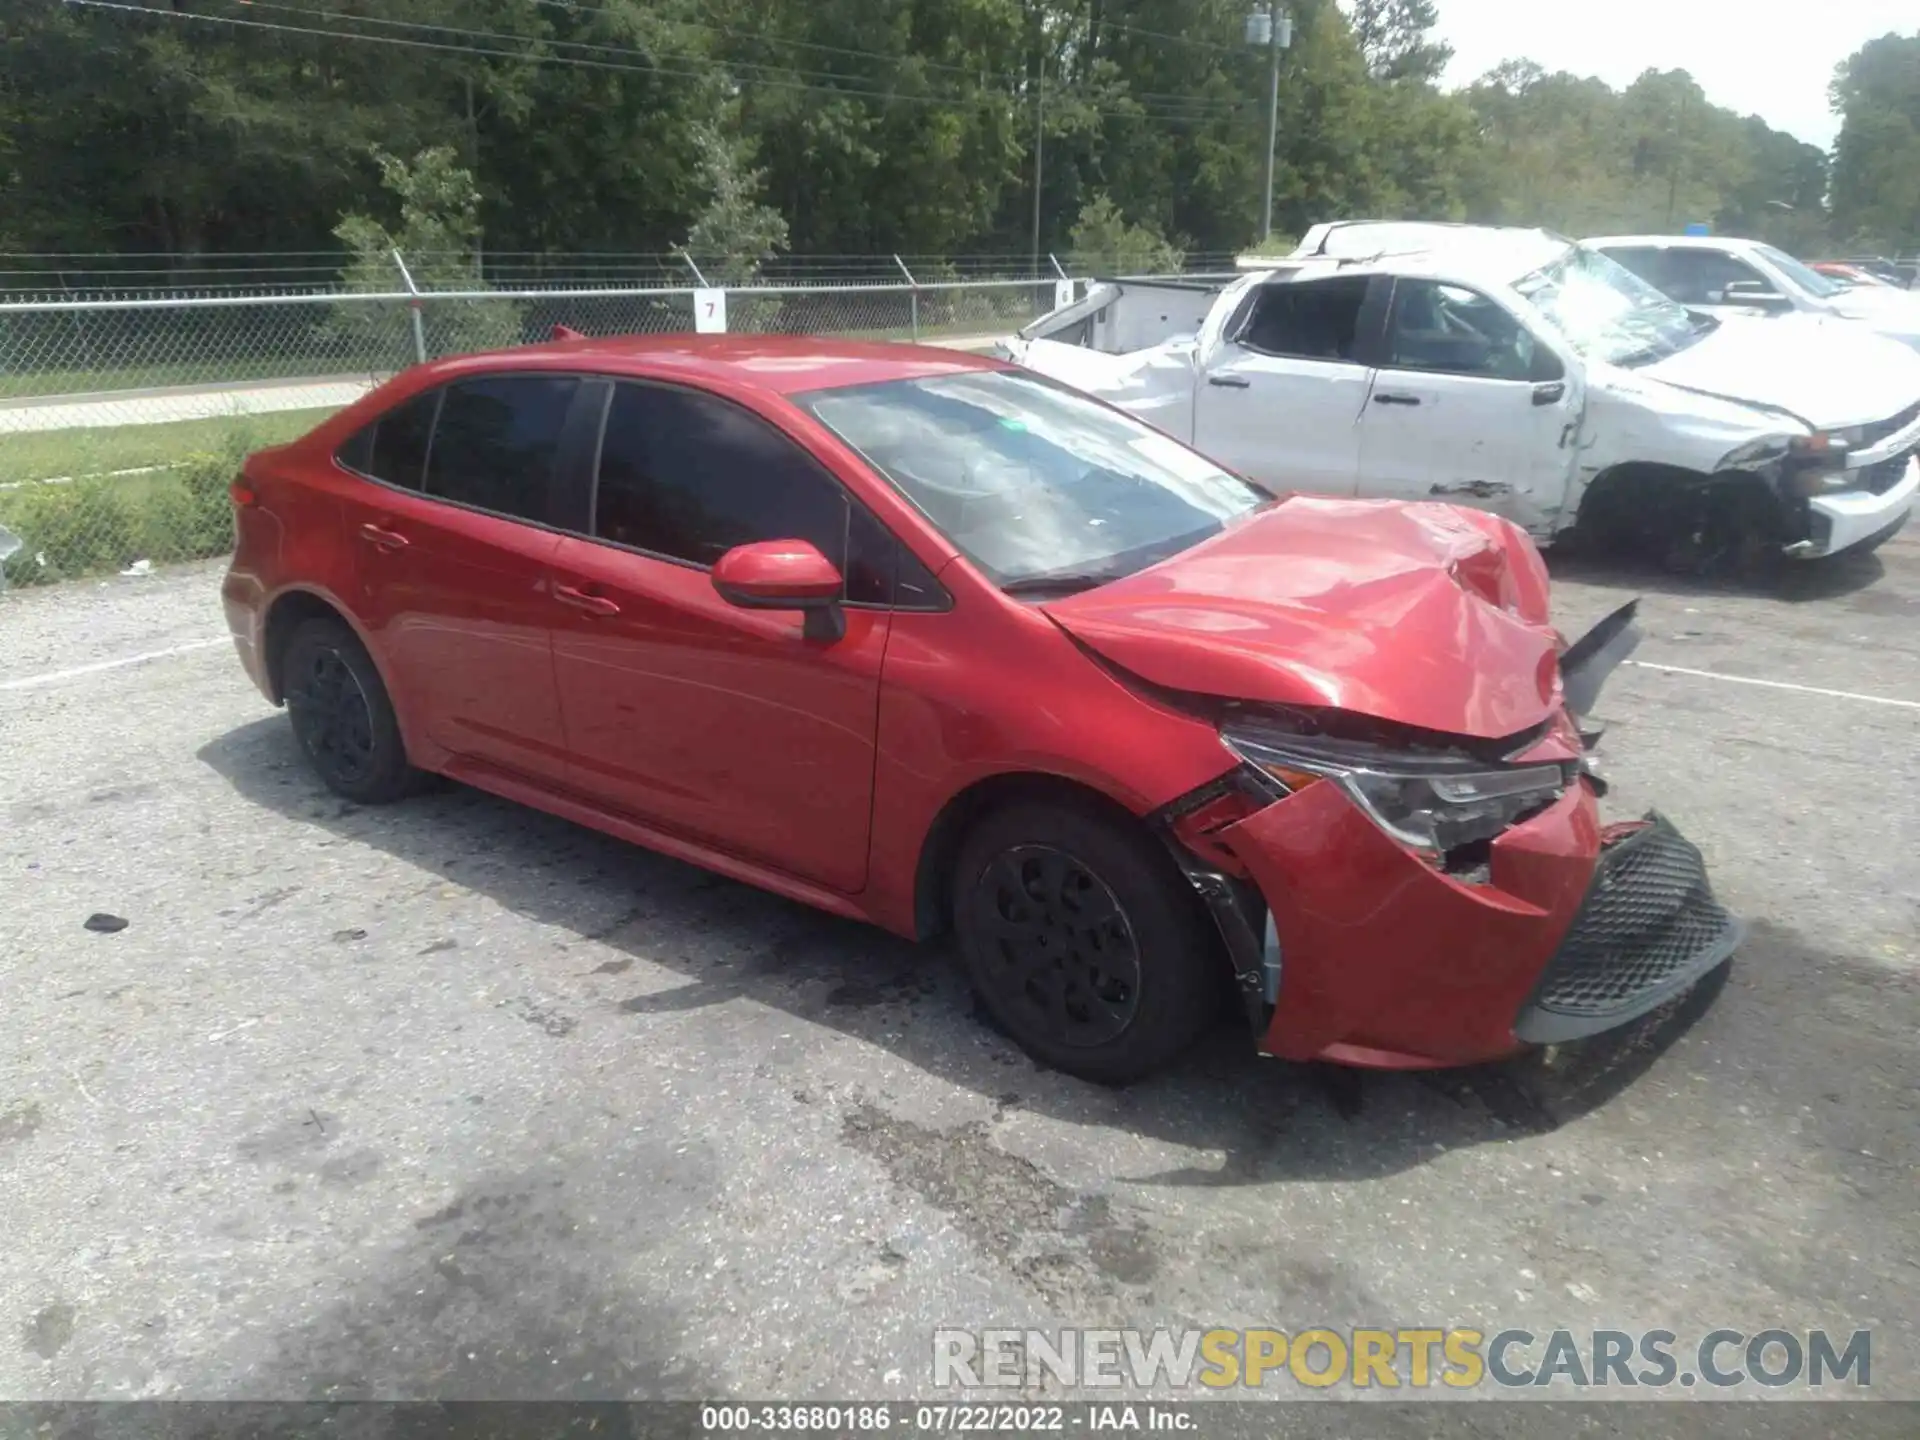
452,1099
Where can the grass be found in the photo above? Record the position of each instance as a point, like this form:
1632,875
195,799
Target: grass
40,454
176,510
93,526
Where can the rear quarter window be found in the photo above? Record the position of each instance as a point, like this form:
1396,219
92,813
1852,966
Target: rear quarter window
394,447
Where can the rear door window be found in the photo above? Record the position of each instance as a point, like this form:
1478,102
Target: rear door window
496,442
1701,277
1308,319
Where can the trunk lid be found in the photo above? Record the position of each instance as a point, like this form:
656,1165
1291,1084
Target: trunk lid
1428,615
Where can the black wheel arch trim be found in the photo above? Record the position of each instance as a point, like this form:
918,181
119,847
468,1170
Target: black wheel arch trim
1238,910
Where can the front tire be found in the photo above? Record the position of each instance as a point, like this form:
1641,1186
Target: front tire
1082,941
342,715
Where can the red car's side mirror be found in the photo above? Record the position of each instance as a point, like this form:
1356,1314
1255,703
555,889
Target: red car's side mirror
784,575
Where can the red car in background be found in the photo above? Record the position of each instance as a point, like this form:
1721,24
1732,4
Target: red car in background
1852,274
926,640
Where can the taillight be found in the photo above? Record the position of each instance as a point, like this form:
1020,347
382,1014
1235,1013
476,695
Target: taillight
242,494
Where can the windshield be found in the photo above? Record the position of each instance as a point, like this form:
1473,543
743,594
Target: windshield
1606,311
1031,481
1822,287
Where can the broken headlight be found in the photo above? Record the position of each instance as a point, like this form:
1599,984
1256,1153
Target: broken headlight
1817,463
1433,802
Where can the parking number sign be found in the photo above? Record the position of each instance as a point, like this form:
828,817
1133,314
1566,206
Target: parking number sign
1062,293
710,312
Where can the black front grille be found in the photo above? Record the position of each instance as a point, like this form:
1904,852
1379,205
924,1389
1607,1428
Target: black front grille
1871,435
1888,473
1649,926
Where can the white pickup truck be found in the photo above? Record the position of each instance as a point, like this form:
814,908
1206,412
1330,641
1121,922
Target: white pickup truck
1722,276
1518,372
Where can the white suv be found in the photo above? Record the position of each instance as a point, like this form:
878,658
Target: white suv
1725,276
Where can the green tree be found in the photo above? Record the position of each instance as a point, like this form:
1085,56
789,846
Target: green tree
734,233
1396,39
1876,159
865,127
437,238
1103,242
1574,154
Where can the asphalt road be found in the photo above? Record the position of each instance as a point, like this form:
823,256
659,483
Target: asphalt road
451,1099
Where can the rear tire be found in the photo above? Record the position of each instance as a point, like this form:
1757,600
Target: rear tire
1082,941
342,715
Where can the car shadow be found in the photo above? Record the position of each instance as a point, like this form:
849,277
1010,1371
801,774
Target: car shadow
1265,1120
1795,582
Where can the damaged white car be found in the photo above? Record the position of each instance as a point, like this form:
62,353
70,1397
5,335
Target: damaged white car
1519,372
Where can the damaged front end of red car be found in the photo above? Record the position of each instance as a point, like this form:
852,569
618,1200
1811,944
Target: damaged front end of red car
1397,899
1406,862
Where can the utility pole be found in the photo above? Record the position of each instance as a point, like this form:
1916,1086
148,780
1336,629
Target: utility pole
473,169
1039,148
1273,28
1273,117
1673,170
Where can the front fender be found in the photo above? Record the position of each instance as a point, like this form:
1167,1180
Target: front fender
1642,422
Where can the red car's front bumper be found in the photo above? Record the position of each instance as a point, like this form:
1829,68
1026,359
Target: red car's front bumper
1386,961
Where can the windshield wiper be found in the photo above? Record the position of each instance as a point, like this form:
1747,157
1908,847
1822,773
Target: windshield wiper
1064,582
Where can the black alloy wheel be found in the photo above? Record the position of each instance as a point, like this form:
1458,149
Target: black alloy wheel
331,717
1083,940
342,716
1062,947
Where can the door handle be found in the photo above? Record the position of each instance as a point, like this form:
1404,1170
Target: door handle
581,600
1229,382
384,538
1550,393
1385,399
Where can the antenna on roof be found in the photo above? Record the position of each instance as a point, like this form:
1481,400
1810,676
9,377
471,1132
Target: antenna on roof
565,332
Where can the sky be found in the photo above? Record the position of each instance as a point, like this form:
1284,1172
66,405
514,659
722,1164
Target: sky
1755,59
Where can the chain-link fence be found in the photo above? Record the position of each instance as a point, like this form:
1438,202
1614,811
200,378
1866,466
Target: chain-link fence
122,420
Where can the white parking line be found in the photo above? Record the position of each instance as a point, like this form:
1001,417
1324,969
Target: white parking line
1778,685
54,677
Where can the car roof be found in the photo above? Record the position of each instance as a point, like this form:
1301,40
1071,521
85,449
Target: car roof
1487,254
781,364
1689,242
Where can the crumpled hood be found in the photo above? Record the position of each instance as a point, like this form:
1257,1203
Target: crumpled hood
1430,615
1829,373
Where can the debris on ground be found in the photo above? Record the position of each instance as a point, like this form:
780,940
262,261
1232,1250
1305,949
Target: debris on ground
102,923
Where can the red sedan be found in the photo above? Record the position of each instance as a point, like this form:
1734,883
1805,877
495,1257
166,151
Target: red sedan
926,640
